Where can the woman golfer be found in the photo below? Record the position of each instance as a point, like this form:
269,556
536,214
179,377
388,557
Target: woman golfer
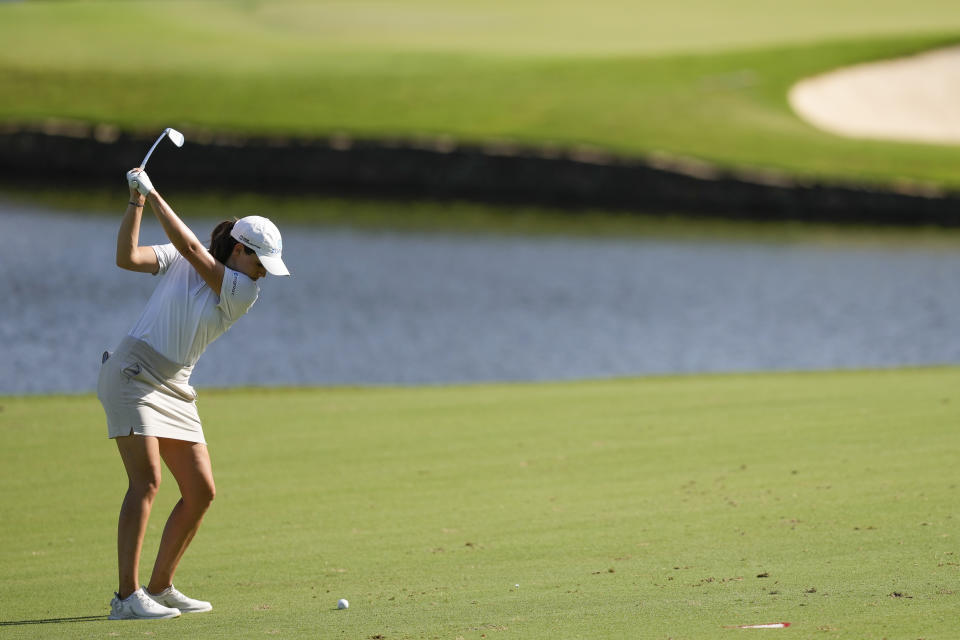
144,385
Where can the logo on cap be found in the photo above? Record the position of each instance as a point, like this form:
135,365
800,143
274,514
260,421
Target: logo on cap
247,241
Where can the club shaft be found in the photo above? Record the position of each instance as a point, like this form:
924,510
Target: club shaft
147,157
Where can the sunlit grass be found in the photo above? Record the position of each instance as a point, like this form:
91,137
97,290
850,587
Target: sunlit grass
651,508
712,84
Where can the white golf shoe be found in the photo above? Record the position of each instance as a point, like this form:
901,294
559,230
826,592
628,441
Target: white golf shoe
139,607
170,597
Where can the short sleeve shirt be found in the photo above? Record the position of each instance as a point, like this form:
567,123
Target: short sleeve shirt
184,315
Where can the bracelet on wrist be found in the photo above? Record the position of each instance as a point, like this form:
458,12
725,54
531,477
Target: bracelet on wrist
136,204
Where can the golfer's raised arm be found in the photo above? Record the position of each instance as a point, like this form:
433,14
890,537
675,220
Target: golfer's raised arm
187,242
130,255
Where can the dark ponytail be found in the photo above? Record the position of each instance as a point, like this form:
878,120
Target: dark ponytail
221,242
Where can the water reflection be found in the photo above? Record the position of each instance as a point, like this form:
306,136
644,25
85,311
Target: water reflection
373,308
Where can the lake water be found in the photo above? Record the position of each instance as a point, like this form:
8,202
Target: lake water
416,308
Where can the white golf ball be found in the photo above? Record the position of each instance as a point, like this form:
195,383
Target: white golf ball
342,603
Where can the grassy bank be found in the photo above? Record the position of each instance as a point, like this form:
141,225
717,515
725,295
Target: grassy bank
473,218
637,80
647,508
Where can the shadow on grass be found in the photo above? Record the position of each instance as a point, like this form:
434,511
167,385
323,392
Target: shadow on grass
16,623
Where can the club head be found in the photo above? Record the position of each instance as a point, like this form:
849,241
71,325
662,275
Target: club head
175,136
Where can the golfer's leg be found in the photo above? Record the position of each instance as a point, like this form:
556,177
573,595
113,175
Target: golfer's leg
141,459
189,462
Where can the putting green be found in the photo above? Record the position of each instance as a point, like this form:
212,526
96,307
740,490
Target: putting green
652,508
238,36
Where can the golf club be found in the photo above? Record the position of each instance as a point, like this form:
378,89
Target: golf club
175,137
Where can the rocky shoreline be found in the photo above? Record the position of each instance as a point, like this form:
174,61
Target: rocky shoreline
441,169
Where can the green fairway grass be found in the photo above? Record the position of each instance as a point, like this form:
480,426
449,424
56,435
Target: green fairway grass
690,79
646,508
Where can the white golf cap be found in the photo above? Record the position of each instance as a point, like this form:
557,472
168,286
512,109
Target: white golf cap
261,235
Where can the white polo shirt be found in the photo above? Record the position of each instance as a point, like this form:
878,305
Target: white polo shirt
184,315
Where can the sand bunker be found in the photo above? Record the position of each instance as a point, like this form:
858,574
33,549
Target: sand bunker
914,99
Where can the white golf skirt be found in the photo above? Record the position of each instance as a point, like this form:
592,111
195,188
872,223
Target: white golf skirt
144,393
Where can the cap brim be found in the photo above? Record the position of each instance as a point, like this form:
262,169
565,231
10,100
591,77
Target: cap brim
274,265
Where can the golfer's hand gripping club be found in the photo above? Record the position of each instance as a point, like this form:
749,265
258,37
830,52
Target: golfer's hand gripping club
139,180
